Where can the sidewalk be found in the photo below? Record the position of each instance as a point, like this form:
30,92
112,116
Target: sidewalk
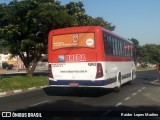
3,94
5,72
19,70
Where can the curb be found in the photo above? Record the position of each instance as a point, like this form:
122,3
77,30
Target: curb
2,94
156,82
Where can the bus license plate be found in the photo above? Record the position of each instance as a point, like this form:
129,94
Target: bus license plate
74,84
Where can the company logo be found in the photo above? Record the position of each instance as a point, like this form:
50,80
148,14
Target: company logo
72,58
61,58
89,42
75,58
6,114
75,38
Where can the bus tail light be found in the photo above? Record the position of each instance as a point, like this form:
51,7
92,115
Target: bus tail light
50,71
99,73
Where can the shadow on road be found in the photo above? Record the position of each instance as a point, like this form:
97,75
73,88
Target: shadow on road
71,110
147,75
80,92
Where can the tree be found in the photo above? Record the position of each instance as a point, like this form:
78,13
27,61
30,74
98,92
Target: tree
77,10
3,22
101,22
26,25
135,42
150,54
136,49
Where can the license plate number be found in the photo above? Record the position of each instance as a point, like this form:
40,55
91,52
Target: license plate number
74,84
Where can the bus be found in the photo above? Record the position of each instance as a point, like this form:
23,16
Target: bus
89,56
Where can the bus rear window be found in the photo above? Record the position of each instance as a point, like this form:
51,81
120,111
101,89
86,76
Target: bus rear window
73,40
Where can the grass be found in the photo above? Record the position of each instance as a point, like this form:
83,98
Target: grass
22,82
145,68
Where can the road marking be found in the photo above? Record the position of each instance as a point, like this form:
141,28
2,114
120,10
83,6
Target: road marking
118,104
143,88
39,103
134,94
154,81
127,98
108,111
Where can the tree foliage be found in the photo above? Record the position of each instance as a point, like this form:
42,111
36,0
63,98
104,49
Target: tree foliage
135,49
24,26
149,53
77,10
99,21
135,42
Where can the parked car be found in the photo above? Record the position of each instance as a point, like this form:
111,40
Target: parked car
7,66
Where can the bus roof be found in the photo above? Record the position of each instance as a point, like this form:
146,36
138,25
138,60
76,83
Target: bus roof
114,34
75,29
84,29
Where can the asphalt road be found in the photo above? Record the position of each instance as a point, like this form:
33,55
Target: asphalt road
139,99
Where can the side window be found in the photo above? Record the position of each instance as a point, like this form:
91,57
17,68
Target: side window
108,44
118,49
121,50
105,42
126,49
130,50
114,45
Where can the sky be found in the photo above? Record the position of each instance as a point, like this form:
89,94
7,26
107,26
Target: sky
139,19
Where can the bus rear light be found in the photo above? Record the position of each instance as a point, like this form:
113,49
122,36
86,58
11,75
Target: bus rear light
99,73
50,71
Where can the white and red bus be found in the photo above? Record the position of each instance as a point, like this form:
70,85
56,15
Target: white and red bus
89,56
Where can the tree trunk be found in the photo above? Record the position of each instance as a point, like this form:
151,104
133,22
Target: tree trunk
30,69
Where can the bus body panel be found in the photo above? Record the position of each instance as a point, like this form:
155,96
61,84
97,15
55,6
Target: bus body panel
88,80
83,66
80,50
74,71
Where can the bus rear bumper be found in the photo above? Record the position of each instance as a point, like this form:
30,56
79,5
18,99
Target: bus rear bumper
108,83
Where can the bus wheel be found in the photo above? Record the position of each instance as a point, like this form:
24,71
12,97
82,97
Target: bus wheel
117,88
